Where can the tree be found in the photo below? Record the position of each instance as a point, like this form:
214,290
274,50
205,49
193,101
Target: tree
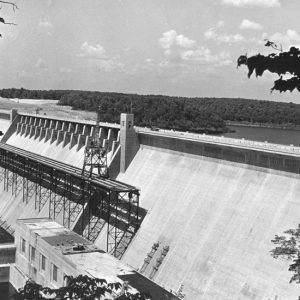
281,63
14,7
80,287
288,247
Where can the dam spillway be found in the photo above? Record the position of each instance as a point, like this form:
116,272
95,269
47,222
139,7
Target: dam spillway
211,205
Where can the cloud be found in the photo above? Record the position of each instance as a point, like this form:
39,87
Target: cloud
109,65
65,70
99,58
179,49
261,3
25,74
247,24
174,43
220,24
46,24
287,39
40,64
91,52
212,34
204,55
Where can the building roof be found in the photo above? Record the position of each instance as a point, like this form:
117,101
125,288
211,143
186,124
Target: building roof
91,260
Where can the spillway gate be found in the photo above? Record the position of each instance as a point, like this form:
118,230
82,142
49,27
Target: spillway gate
86,204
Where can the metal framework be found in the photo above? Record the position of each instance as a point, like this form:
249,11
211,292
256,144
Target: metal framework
95,156
84,204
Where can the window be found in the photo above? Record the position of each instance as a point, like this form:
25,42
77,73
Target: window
43,262
23,246
54,272
32,253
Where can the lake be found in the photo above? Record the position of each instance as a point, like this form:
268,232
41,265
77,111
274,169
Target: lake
272,135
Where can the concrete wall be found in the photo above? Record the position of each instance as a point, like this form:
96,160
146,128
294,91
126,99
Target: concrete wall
63,140
7,257
218,218
255,157
128,141
26,268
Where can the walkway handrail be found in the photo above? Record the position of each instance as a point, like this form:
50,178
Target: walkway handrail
287,149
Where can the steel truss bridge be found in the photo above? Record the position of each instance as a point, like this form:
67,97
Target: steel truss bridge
86,204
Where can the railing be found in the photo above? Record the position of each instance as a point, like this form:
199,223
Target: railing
289,149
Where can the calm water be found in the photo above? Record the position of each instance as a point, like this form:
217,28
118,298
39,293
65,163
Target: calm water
278,136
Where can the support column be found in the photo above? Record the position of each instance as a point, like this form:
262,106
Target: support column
128,141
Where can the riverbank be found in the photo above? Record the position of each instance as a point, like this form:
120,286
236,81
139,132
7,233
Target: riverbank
264,125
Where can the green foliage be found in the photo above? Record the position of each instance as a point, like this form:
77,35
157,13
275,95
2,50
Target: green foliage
14,7
288,247
281,63
32,94
81,287
179,113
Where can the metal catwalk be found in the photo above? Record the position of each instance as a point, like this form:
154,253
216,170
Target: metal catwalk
87,203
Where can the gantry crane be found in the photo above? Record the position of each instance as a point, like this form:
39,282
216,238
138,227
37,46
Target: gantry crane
95,155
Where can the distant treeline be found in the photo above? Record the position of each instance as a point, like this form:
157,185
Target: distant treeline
179,113
32,94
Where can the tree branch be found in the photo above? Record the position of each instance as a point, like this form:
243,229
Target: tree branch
14,5
9,23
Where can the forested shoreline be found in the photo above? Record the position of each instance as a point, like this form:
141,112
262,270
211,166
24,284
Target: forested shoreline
179,113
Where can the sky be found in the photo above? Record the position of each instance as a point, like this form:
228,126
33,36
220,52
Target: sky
169,47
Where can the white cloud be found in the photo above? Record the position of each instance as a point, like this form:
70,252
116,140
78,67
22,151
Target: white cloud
65,70
220,24
212,34
99,59
204,55
40,64
287,39
25,74
45,23
91,52
175,44
109,65
183,50
247,24
262,3
172,42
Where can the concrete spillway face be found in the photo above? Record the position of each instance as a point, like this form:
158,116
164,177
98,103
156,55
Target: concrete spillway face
58,139
218,219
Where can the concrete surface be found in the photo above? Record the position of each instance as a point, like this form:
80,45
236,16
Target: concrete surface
218,218
48,149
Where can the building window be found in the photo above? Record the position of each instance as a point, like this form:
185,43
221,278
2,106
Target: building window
43,262
32,253
54,272
23,246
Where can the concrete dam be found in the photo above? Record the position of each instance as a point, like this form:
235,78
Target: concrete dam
207,206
